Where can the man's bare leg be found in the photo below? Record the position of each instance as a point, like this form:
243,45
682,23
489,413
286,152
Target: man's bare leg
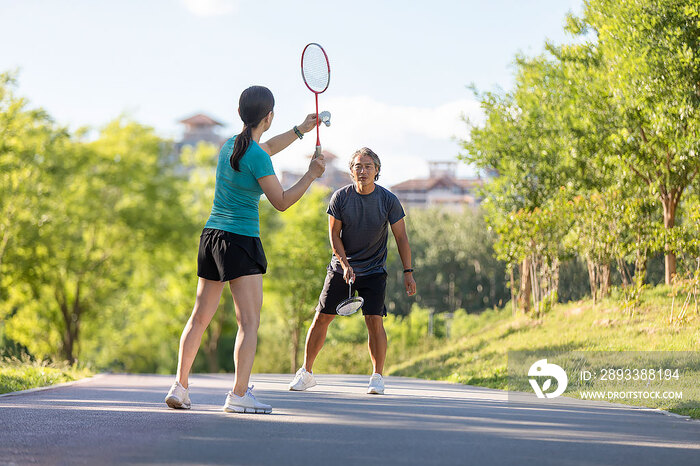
377,342
316,338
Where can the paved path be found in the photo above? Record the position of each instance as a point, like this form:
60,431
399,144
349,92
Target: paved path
122,419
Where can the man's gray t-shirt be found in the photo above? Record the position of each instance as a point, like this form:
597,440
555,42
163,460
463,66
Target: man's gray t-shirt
365,227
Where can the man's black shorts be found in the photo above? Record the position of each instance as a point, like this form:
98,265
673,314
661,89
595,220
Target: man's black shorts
372,288
224,256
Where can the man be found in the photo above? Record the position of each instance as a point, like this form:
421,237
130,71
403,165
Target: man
358,217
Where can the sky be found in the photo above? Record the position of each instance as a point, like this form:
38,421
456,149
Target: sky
400,70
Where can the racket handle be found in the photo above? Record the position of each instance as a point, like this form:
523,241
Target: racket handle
317,153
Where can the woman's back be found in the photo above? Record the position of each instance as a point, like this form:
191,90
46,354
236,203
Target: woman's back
237,194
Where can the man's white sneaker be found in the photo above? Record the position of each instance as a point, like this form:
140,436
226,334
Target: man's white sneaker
376,385
178,397
303,379
245,404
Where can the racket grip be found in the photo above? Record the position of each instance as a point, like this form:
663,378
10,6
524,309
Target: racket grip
317,153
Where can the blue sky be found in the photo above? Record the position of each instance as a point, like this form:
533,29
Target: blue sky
399,69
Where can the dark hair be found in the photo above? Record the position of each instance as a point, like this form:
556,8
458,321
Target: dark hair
370,152
254,105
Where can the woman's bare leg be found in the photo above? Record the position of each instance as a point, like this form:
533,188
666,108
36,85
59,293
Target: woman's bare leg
247,298
205,305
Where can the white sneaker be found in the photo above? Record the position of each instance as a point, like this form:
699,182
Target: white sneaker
376,385
178,397
245,404
302,380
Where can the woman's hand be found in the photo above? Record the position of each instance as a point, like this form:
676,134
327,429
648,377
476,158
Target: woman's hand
308,124
317,166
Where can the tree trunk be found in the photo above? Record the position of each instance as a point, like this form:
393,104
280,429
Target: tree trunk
525,286
211,347
640,268
295,348
622,268
670,202
3,244
71,321
555,281
67,343
513,292
604,280
592,279
212,361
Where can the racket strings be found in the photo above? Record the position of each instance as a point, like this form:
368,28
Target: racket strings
350,306
315,69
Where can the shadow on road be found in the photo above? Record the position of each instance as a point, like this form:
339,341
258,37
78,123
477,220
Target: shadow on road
124,419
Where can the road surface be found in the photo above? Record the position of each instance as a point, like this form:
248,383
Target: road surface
116,419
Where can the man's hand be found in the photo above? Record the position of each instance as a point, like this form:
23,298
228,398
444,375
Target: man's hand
348,274
410,283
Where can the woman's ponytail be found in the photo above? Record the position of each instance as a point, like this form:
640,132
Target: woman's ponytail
255,103
240,146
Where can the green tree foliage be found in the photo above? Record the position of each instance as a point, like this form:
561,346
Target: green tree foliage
79,220
522,140
27,139
143,324
650,65
298,251
454,264
614,114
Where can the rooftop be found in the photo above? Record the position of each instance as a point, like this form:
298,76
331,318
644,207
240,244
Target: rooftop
200,120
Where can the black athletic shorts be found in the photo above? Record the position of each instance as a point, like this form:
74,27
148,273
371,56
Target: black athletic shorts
372,288
224,256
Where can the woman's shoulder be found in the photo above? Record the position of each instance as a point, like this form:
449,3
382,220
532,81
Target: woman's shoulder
255,154
256,160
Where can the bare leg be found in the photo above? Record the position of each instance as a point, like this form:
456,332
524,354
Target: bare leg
316,338
376,341
247,298
205,305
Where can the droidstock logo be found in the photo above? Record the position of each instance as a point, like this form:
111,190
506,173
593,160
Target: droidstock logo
542,369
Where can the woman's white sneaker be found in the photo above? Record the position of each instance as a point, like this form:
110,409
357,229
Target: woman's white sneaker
245,404
303,379
376,385
178,397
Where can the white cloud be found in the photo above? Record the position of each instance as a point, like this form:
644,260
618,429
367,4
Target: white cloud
370,116
211,7
404,137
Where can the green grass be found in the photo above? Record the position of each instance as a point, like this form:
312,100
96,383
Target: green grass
18,374
478,356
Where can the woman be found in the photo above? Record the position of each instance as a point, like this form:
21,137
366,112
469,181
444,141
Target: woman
230,249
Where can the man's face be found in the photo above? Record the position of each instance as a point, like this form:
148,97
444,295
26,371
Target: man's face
363,170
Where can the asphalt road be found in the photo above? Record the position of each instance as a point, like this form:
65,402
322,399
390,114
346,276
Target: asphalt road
122,419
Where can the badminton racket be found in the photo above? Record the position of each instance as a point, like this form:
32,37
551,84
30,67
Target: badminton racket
316,72
351,305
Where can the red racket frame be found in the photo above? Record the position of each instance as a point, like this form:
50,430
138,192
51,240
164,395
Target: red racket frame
316,93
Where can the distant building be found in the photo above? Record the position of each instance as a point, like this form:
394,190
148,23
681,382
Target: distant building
333,178
200,128
441,189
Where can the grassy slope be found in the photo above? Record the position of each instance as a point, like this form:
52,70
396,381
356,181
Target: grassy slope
18,375
480,357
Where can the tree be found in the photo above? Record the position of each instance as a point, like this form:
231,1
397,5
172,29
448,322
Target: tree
650,64
298,252
455,267
102,207
531,139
